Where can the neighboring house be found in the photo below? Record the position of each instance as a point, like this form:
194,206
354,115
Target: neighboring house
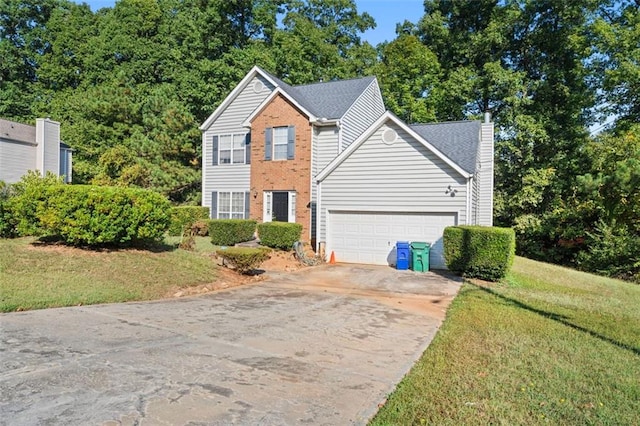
24,147
358,179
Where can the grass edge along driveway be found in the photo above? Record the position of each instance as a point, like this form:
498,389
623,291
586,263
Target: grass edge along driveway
549,345
35,276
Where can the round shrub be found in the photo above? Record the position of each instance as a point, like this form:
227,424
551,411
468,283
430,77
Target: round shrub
103,216
244,259
280,235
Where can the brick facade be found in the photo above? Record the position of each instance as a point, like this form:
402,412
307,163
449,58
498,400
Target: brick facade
282,175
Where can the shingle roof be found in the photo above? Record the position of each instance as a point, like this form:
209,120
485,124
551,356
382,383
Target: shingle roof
329,99
458,140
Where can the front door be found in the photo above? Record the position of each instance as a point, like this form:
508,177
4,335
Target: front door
281,206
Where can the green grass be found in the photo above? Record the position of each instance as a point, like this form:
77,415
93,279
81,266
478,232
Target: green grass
549,345
34,276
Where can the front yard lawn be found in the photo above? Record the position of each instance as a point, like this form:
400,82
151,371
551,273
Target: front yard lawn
550,345
36,276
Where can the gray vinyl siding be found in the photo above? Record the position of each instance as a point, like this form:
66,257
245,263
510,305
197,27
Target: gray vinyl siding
324,150
403,177
16,158
364,112
230,177
485,176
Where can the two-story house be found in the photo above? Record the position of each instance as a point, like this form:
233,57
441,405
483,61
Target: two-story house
328,156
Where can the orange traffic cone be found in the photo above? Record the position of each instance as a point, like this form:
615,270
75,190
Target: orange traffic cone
332,259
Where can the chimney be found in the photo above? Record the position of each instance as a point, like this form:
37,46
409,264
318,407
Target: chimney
48,149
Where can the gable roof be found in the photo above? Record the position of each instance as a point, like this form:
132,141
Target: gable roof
236,91
458,140
330,100
389,116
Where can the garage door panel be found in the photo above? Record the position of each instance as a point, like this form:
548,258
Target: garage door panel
358,237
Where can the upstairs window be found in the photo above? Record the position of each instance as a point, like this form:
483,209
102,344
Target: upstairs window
232,149
280,143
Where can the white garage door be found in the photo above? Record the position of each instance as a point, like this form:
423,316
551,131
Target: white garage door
359,237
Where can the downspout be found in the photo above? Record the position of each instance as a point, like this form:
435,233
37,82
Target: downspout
319,216
469,195
314,145
339,126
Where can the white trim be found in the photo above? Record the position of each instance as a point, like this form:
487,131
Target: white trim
468,200
204,169
267,101
231,211
371,130
267,206
291,204
232,135
319,215
234,93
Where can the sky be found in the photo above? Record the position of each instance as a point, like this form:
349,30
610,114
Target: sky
387,13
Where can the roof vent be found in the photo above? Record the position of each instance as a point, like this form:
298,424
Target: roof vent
389,136
258,86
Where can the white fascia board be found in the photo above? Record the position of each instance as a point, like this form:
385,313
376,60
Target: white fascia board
388,115
276,92
234,93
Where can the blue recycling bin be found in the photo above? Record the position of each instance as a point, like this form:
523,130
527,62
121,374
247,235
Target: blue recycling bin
402,255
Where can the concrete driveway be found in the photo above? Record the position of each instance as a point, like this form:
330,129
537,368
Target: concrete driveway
319,346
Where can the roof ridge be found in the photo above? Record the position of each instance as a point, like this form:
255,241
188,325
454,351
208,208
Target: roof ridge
335,81
445,122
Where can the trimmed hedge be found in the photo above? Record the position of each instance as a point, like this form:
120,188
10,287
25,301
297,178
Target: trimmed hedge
479,251
102,216
184,216
280,235
244,259
227,232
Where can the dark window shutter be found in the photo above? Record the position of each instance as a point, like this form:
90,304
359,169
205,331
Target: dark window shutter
215,151
247,149
246,205
291,143
214,205
267,143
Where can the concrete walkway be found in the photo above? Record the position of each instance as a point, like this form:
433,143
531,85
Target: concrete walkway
321,346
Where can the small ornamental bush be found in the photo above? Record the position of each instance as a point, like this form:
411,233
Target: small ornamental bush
479,251
280,235
227,232
102,216
244,259
185,216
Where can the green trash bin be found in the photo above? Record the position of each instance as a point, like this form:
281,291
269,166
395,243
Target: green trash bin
420,256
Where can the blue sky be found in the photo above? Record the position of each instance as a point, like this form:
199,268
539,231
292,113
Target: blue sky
387,14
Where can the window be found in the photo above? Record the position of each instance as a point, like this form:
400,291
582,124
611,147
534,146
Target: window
231,205
232,149
280,143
